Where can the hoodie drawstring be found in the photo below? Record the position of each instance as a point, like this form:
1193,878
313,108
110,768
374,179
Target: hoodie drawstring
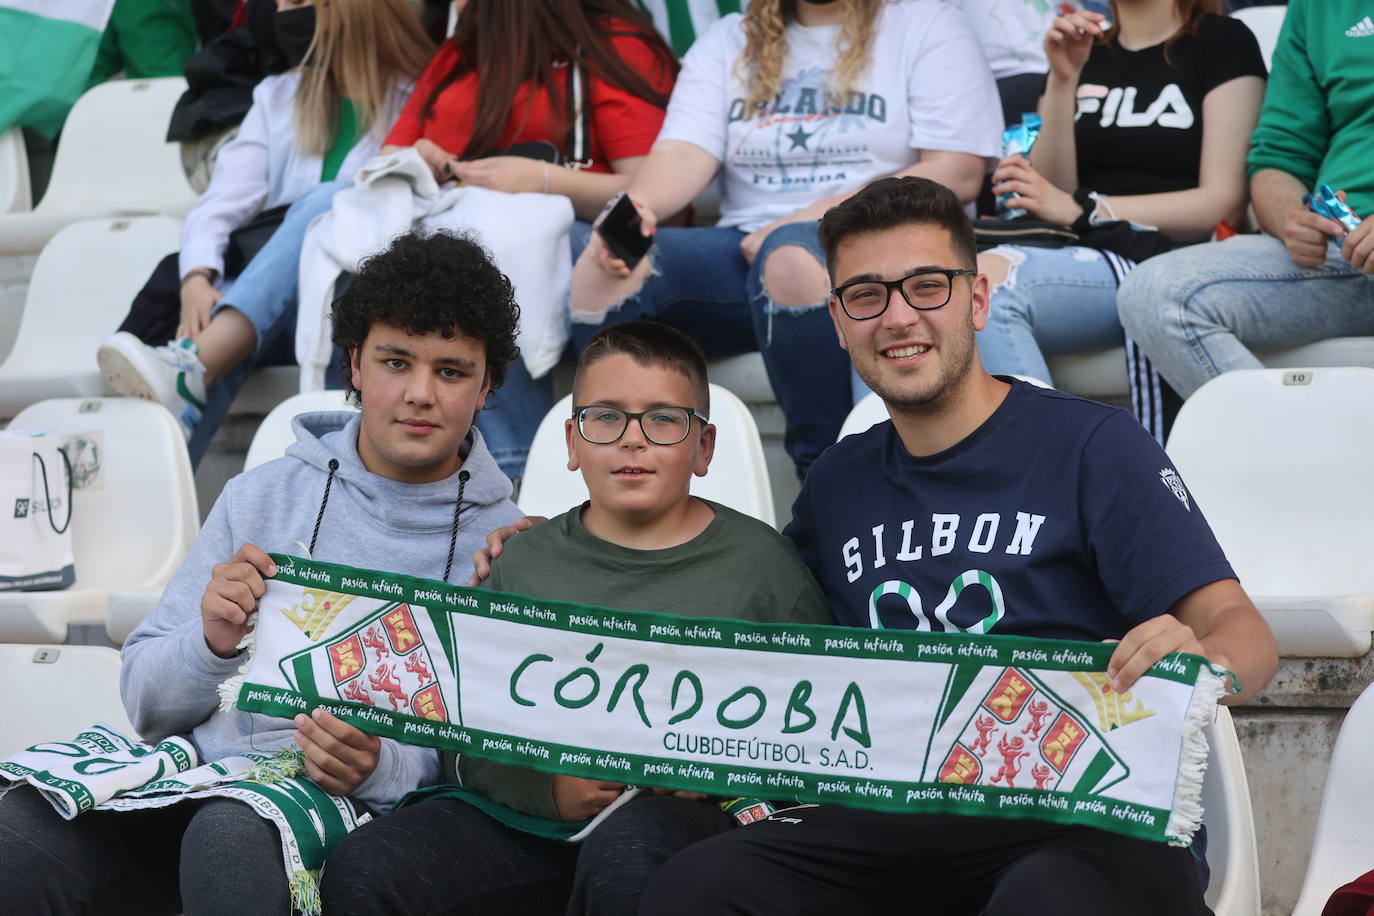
453,535
328,482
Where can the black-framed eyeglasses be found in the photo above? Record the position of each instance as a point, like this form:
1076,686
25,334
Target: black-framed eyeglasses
927,288
666,425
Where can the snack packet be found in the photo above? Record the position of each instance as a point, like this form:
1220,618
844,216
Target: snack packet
1019,138
1324,202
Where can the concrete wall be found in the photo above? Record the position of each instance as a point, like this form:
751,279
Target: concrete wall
1286,736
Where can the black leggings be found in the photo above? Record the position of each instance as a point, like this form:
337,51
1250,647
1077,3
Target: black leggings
203,858
829,861
446,857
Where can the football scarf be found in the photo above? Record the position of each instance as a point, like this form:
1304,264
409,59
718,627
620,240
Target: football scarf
893,720
104,770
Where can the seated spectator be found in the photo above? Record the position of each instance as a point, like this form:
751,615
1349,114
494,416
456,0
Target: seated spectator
639,433
307,127
1146,120
518,55
963,445
795,105
1201,311
373,491
145,38
1012,34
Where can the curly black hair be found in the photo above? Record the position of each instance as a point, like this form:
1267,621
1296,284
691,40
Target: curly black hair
430,282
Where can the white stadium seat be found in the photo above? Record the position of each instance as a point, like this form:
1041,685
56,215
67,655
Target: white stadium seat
737,478
1279,460
14,172
1341,850
134,512
113,160
1232,851
80,290
867,413
275,434
267,387
64,688
1266,22
745,375
1102,375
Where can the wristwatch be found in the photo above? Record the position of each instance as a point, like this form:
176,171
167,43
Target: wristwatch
209,273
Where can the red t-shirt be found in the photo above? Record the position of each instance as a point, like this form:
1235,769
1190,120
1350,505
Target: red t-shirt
622,124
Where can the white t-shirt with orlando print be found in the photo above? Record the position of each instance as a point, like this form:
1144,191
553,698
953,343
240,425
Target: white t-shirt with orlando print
927,86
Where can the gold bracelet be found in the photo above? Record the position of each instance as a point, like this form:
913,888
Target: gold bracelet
546,176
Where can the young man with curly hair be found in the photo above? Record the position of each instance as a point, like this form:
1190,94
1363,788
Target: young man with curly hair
427,329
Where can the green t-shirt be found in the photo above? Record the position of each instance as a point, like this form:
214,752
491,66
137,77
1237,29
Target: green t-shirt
345,138
738,568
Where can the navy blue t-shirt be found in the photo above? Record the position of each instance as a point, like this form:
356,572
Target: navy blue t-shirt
1057,518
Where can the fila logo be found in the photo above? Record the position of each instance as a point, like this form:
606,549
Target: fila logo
1362,29
1118,107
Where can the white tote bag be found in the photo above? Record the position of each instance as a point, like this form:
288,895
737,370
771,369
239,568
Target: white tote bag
35,513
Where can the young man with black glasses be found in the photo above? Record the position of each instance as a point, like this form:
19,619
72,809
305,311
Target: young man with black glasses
986,505
639,432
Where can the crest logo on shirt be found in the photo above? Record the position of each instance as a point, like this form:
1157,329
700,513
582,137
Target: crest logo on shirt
1169,477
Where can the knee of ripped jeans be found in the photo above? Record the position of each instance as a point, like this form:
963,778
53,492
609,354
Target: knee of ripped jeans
792,283
794,278
1000,265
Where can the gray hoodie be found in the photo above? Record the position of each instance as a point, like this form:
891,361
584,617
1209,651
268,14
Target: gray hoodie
170,675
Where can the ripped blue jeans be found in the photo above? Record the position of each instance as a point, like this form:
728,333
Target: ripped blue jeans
1054,301
702,285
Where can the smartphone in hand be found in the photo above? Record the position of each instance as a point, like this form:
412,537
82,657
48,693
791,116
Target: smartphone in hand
619,229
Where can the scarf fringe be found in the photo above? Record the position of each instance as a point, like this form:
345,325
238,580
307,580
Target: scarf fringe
285,764
305,892
230,688
1202,711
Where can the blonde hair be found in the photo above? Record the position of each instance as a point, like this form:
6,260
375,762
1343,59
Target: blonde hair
368,45
765,49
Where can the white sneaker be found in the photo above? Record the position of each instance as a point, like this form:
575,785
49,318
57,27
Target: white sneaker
172,375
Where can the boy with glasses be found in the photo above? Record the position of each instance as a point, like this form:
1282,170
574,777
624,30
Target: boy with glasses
638,433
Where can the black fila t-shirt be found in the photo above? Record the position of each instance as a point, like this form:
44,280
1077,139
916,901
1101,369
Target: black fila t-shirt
1138,127
1057,518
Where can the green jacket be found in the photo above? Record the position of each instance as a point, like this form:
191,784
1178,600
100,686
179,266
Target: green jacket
1317,123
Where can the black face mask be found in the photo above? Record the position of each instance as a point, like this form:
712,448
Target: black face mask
294,30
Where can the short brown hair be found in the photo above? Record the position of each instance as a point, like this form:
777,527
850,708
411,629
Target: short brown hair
650,343
891,202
